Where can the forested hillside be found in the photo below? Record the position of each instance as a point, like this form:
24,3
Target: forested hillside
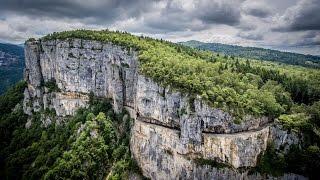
11,65
90,145
258,53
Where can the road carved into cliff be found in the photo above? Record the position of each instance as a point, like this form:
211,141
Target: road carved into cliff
177,127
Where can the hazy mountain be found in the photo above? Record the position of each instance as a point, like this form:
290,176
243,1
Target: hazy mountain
11,65
258,53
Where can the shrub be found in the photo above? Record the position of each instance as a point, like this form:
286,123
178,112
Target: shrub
52,86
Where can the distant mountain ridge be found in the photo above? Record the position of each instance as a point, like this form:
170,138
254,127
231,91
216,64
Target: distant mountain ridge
11,65
258,53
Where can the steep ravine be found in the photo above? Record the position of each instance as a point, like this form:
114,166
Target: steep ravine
171,129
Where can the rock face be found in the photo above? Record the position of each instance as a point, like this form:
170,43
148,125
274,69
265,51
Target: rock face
161,154
78,68
171,129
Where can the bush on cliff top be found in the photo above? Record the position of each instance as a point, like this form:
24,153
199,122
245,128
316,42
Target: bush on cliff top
233,85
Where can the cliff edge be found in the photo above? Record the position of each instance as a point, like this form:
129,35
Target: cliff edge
173,132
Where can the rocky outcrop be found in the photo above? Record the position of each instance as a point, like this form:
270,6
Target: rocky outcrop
171,129
161,155
239,149
282,139
78,68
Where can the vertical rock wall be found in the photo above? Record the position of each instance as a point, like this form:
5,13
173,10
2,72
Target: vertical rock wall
78,67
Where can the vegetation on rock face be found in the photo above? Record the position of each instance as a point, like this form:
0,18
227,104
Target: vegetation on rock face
304,161
52,86
90,145
11,98
302,158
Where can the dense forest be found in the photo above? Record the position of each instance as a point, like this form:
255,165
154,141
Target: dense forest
258,53
289,94
11,65
90,145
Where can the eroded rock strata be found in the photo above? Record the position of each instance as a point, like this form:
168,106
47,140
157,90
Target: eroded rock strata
171,131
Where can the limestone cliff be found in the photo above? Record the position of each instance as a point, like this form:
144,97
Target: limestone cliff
171,130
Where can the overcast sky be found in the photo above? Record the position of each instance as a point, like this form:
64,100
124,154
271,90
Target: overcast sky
291,25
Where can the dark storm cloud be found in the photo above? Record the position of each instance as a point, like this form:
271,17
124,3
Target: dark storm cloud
250,35
201,15
171,23
306,42
311,34
310,39
103,11
303,16
258,12
220,12
257,9
173,17
245,26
